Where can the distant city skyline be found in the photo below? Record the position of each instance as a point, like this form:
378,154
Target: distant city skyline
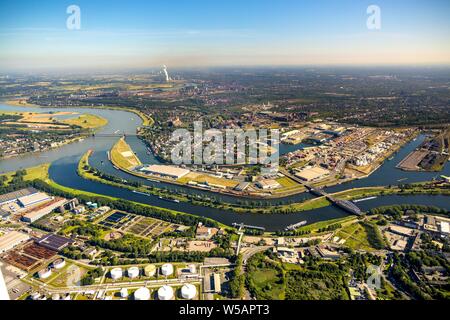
200,33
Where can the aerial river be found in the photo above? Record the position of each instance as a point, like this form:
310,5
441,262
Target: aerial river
65,160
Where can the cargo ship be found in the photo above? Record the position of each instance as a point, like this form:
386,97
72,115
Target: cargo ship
295,226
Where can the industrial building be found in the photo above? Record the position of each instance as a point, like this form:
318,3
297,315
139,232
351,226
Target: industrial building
39,213
314,173
33,199
11,240
217,283
204,232
445,227
165,171
13,196
53,242
242,186
4,215
268,184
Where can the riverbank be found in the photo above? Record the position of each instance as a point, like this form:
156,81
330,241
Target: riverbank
40,175
263,195
312,204
71,126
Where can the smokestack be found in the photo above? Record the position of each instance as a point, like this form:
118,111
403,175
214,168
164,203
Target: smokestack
166,74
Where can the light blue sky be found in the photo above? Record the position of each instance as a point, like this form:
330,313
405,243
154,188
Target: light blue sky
138,33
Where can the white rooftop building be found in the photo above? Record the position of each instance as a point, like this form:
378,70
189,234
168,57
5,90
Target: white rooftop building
165,171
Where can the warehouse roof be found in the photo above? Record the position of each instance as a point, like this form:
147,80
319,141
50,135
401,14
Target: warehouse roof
17,194
33,199
166,170
54,242
12,239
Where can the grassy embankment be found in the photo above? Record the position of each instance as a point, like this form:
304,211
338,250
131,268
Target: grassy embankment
361,236
87,121
33,173
123,156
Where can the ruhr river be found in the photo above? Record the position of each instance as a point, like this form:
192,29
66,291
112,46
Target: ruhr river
65,160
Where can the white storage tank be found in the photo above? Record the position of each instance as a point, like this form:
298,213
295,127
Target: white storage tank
56,296
124,293
188,291
192,268
133,272
167,269
165,293
35,296
142,294
150,270
45,273
59,264
116,273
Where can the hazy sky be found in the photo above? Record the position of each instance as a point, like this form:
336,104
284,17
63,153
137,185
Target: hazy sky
188,33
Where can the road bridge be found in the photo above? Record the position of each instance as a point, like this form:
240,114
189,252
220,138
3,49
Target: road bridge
343,204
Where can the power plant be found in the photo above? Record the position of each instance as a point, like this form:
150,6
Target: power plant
165,73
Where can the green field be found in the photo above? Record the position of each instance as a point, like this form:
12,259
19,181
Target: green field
323,224
123,156
265,279
360,236
38,172
87,121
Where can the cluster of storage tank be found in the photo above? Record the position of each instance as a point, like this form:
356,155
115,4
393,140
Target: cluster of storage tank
149,271
47,272
55,296
188,291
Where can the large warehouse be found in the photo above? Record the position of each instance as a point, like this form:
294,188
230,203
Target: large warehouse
12,239
309,174
165,171
54,242
33,199
39,213
13,196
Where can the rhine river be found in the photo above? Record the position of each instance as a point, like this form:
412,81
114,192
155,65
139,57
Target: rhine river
65,160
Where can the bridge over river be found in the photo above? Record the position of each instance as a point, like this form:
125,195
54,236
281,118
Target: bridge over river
343,204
